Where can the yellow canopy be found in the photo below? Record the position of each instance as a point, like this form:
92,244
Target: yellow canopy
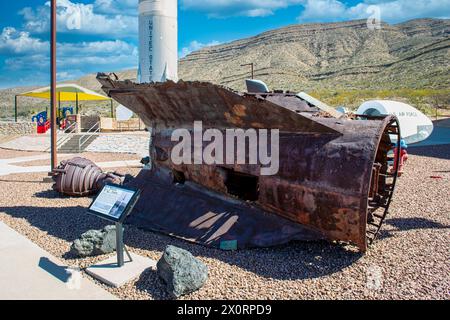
66,92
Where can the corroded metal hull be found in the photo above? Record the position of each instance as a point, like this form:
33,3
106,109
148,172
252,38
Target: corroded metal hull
333,181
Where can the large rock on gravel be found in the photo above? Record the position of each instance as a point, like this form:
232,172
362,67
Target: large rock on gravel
95,242
181,271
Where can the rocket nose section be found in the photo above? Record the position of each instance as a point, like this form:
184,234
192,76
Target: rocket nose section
423,133
168,8
158,40
167,75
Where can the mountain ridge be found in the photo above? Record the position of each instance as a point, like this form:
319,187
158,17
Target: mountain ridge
306,54
339,56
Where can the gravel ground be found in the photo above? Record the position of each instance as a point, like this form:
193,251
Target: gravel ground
411,257
9,154
93,156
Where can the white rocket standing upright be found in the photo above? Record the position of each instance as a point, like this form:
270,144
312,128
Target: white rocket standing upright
158,41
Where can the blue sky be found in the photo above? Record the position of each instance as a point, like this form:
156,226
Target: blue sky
107,39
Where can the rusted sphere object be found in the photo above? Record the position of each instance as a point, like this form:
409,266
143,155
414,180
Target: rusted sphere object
81,177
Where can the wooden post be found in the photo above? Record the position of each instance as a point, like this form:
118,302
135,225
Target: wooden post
54,159
76,104
59,107
252,65
15,108
112,109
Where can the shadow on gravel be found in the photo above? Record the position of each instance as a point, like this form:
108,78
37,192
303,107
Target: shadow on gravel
66,223
293,261
297,260
49,194
150,283
437,151
406,224
20,181
52,194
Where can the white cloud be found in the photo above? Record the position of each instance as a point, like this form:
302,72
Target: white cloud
84,18
248,8
26,52
30,54
194,46
69,75
32,62
128,7
105,48
391,10
17,42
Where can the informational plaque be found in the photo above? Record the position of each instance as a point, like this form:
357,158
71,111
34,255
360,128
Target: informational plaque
114,202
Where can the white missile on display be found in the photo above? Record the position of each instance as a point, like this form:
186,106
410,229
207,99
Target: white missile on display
414,125
123,113
158,41
319,104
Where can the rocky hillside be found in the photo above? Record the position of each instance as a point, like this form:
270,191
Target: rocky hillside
414,54
327,58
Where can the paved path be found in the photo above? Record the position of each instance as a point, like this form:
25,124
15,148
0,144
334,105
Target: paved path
131,142
28,272
121,143
7,165
34,142
440,136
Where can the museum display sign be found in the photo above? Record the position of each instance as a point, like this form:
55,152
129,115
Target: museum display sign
114,202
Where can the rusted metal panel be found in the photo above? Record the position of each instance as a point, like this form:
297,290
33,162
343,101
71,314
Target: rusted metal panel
325,182
320,184
205,217
178,105
374,184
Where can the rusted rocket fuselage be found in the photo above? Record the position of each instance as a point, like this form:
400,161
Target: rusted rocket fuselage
333,183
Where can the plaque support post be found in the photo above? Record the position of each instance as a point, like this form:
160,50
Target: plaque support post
115,271
120,247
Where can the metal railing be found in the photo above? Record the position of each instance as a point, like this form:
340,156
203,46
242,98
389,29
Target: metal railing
86,136
67,134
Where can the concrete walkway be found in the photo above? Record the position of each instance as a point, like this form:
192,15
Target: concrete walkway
7,165
440,136
124,142
29,273
28,143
